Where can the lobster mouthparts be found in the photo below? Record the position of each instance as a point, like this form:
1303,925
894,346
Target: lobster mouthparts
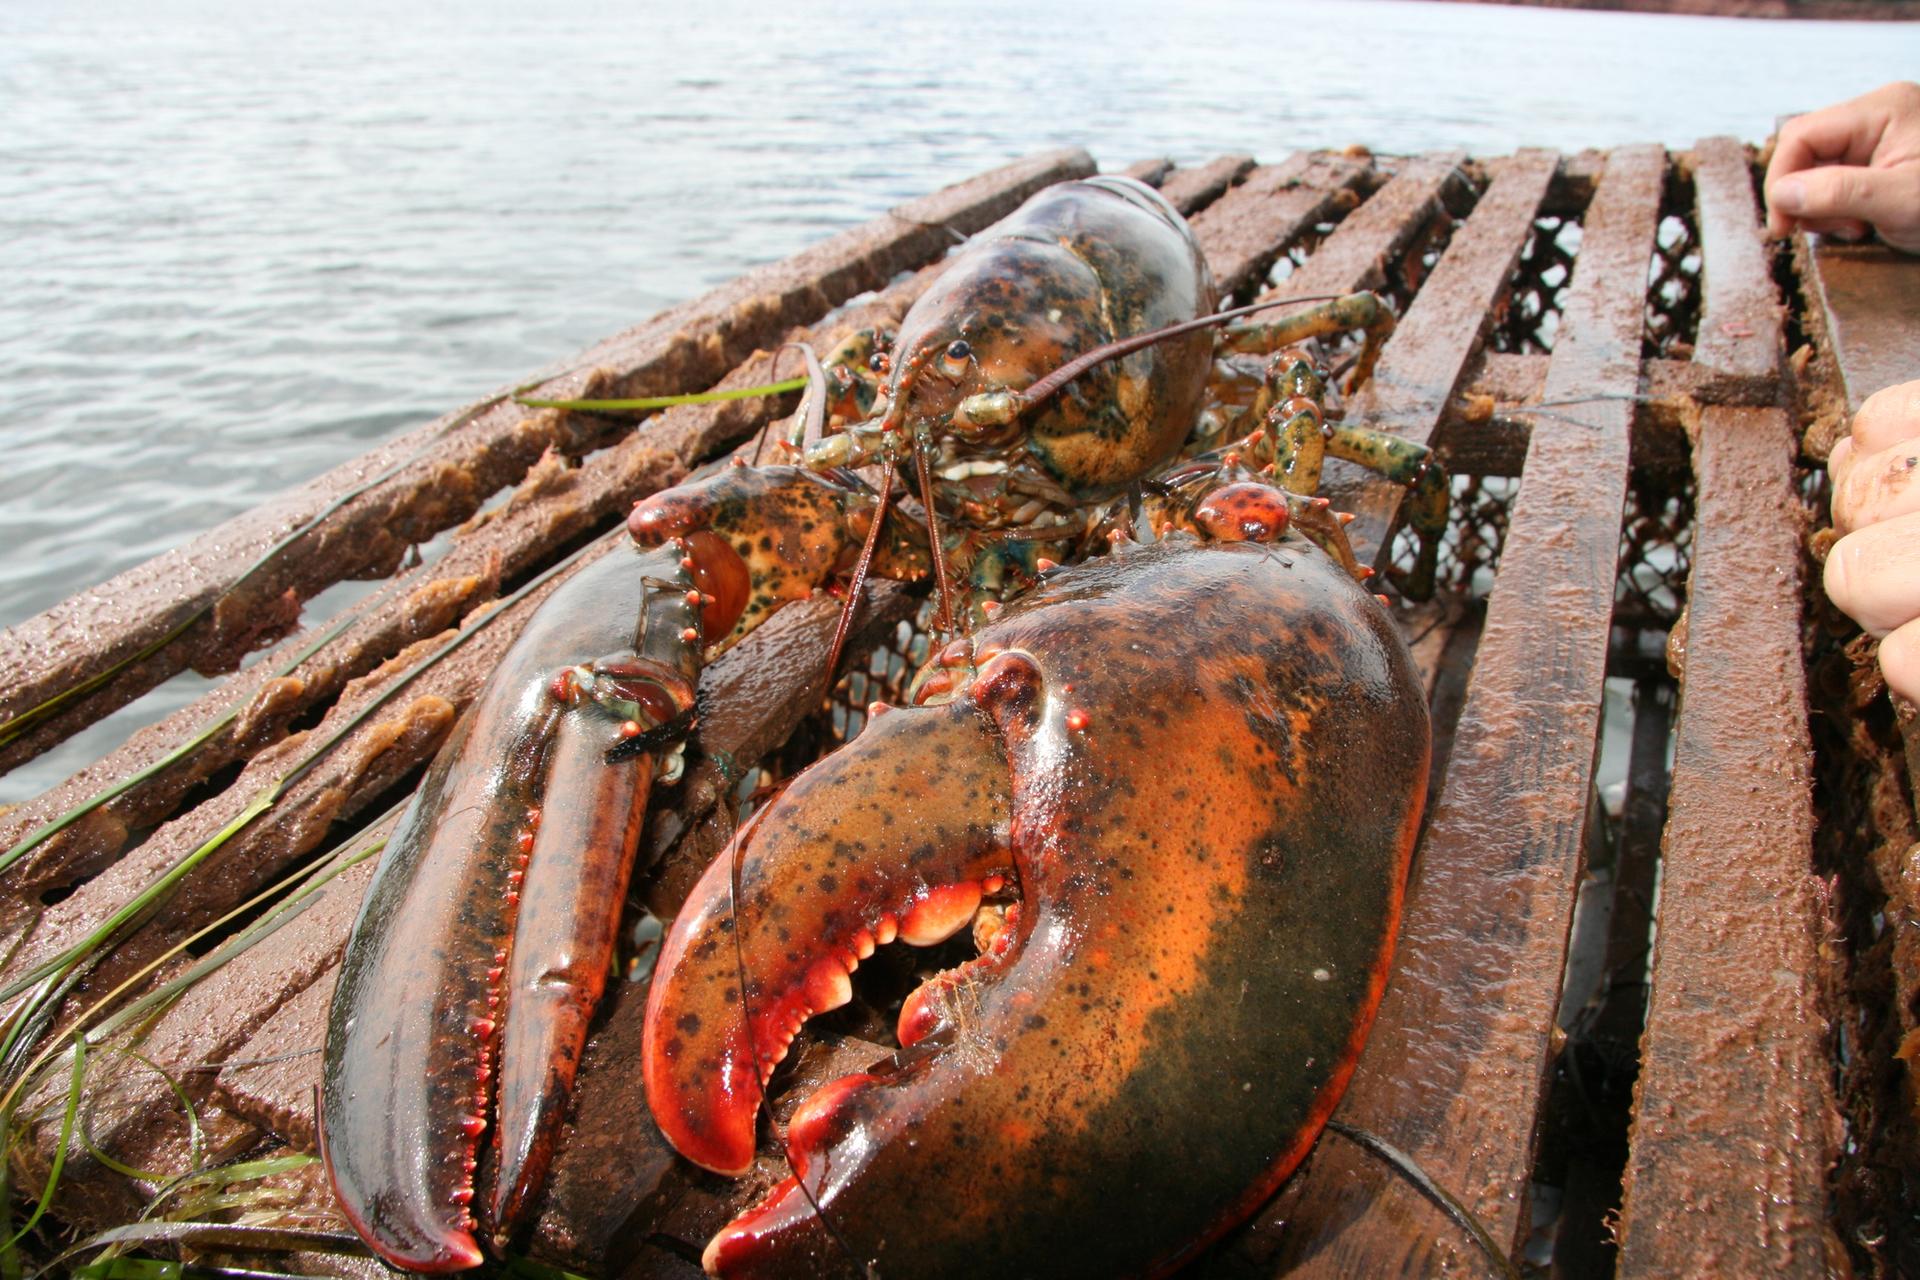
1205,763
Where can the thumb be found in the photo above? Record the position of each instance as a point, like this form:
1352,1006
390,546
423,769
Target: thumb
1887,198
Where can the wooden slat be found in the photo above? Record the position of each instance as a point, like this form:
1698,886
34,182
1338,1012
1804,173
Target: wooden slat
1456,1067
1864,295
553,508
1152,172
1191,190
1247,228
1735,1123
447,468
1740,315
1356,255
1421,369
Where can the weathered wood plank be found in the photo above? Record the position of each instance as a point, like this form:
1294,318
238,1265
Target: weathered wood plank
1191,190
1152,172
1356,255
1735,1124
441,472
1456,1067
1502,384
553,508
1740,314
1246,229
1864,294
1422,366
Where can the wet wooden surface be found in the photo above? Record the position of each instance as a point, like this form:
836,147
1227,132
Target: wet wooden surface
1467,1039
434,477
1454,1072
1734,1088
1869,296
1420,374
1245,229
1741,312
1733,1011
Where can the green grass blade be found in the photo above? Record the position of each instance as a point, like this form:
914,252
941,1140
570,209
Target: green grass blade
59,1151
43,833
667,402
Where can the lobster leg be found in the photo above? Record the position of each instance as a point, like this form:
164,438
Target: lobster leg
413,1033
1403,461
1300,440
1363,311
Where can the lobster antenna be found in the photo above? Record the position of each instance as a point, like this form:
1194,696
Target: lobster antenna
859,582
816,400
736,855
941,576
1073,368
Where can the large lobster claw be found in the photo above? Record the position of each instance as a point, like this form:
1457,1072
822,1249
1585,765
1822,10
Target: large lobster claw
1203,763
594,696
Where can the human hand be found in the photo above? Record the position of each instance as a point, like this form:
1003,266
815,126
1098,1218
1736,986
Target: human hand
1839,169
1873,571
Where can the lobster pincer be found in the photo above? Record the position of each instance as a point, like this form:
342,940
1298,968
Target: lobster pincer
1198,766
524,827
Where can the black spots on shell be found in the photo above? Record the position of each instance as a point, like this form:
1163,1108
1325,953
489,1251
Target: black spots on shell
689,1023
828,884
1270,859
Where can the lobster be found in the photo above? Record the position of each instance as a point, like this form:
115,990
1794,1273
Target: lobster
1189,771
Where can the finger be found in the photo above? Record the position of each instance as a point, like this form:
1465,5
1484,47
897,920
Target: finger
1838,228
1840,461
1878,486
1873,574
1900,660
1888,417
1846,133
1884,197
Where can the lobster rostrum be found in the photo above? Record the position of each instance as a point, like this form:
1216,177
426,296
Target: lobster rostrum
1187,771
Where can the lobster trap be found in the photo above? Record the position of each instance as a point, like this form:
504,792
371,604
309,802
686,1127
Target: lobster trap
1596,345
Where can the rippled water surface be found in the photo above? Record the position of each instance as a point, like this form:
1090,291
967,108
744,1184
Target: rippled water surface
240,242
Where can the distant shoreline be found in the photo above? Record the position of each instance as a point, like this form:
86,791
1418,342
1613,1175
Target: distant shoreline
1819,10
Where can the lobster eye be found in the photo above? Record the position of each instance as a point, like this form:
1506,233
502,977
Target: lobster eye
954,365
878,362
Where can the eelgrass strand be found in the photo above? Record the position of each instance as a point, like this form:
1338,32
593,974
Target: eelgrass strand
41,834
60,1152
635,403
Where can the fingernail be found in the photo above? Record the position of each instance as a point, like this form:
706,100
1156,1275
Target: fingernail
1789,195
